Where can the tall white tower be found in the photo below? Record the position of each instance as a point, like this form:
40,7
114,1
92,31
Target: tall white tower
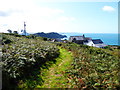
24,31
24,26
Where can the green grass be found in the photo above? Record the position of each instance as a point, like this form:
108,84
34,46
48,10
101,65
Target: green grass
55,76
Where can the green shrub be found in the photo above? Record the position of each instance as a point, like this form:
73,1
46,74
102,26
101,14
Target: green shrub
23,56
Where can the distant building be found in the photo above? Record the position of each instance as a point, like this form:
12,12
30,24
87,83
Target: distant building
79,39
95,43
87,41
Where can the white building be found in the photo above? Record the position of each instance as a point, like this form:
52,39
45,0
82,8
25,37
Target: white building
87,41
95,43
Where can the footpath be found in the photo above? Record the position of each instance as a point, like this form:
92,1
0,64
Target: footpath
55,76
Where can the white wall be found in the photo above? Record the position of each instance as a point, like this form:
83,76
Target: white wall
90,43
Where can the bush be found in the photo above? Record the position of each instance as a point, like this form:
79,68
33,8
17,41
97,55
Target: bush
21,57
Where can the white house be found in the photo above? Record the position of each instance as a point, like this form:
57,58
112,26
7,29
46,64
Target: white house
95,43
87,41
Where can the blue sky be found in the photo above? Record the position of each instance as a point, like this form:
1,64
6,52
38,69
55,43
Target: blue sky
82,17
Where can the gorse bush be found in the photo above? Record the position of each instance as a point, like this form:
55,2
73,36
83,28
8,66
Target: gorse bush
23,55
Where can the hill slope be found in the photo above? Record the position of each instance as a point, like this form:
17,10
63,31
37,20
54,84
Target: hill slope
30,62
50,35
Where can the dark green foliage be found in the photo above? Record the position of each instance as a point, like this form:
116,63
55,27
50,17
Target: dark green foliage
108,47
22,58
5,40
50,35
30,36
17,35
15,32
118,47
10,31
7,33
45,39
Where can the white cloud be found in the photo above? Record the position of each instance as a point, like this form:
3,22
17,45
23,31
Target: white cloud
108,8
64,19
38,19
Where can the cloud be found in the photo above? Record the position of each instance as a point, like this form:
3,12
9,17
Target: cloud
15,12
3,14
37,18
8,12
64,19
108,8
45,11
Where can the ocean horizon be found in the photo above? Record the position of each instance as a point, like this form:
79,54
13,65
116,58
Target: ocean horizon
107,38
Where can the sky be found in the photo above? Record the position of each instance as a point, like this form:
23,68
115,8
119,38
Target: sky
90,16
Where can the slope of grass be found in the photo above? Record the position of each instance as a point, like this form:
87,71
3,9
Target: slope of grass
55,76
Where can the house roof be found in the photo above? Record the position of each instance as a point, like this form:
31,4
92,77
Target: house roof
97,41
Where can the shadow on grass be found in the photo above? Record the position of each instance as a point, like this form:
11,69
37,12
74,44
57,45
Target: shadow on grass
33,76
29,78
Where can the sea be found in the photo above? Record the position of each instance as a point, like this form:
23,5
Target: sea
107,38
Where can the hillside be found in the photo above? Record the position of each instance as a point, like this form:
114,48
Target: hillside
50,35
31,62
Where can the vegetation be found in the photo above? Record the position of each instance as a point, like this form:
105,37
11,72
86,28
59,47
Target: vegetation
55,76
15,32
10,31
50,35
34,62
21,56
93,68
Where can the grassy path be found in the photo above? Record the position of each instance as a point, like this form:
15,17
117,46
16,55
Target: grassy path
55,76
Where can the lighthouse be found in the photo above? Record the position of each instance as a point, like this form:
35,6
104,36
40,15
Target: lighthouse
24,26
24,30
